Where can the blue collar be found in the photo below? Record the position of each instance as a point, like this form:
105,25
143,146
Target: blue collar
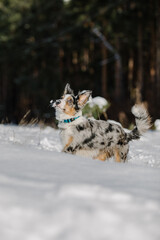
69,120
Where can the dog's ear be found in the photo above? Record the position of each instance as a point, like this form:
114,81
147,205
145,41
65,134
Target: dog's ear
83,97
68,90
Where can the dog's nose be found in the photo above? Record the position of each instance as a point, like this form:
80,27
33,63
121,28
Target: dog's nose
58,102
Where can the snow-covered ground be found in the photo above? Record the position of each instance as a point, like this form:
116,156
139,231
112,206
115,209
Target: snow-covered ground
49,195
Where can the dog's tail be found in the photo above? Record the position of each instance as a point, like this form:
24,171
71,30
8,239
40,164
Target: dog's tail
143,122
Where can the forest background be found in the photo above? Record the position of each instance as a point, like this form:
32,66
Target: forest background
109,47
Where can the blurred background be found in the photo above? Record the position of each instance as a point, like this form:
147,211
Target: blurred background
110,47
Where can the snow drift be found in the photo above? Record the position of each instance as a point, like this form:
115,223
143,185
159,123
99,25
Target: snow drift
46,194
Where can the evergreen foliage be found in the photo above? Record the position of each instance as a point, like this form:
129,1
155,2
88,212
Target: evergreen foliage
45,44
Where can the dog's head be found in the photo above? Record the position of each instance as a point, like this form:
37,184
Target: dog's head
69,105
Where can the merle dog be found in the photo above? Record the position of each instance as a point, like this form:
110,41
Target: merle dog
95,138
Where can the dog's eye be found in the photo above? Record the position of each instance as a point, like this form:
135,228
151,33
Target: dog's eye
69,101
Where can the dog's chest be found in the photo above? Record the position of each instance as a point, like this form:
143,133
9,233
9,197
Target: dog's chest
65,135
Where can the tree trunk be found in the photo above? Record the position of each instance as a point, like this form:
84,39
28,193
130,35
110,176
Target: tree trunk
104,72
139,84
130,73
151,87
158,52
118,76
61,54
